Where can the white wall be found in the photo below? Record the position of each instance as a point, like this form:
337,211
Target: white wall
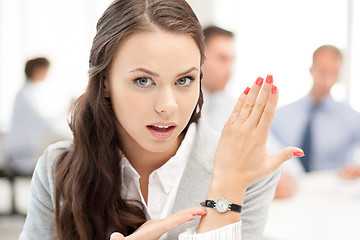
276,37
204,9
279,36
59,30
355,58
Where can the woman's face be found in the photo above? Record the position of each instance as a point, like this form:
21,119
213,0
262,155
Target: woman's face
154,86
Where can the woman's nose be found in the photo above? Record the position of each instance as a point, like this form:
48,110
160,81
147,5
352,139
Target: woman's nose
166,102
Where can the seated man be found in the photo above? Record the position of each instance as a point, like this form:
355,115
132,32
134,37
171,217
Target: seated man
326,130
217,68
30,131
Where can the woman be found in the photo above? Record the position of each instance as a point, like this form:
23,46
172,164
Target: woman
140,150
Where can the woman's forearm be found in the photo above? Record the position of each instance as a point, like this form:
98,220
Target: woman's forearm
232,189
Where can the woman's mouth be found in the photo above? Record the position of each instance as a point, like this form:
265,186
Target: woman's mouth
161,130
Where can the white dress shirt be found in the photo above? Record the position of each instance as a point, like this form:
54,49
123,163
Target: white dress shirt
31,130
162,189
335,130
21,143
217,109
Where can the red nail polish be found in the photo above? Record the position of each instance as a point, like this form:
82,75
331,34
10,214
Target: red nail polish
269,79
247,90
202,214
259,81
298,154
273,89
191,219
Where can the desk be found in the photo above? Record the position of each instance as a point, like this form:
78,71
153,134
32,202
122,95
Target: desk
324,207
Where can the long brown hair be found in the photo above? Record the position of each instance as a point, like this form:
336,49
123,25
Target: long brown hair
88,177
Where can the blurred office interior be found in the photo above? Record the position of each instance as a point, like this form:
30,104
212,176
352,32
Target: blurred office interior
274,37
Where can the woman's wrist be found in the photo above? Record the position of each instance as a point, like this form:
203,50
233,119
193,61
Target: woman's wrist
230,186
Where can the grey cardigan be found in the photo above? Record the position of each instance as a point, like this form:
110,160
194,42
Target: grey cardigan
40,221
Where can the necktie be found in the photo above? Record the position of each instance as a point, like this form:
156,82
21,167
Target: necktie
307,141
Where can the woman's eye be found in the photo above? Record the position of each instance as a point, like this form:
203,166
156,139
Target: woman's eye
144,81
184,81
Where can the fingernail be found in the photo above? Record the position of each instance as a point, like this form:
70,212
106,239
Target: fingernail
273,89
269,79
298,154
192,218
259,81
247,90
202,214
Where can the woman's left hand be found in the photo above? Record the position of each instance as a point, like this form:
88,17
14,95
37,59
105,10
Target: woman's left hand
241,156
154,229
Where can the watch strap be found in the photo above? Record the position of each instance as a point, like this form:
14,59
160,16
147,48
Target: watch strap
235,208
232,207
209,203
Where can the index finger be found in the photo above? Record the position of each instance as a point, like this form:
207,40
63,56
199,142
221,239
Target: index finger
182,217
158,228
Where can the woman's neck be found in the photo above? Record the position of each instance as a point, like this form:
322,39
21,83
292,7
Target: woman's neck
145,162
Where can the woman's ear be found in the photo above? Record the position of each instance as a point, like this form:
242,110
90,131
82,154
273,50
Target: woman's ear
106,88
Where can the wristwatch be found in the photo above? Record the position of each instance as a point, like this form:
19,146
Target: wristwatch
222,205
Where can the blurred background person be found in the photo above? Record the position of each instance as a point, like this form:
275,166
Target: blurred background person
217,69
30,131
326,130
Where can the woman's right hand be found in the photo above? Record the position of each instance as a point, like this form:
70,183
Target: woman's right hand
154,229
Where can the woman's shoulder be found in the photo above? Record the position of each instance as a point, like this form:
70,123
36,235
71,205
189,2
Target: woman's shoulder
50,155
42,179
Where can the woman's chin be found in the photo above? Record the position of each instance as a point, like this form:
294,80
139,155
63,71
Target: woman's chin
159,147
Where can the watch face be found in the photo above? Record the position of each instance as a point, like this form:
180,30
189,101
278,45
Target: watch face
222,205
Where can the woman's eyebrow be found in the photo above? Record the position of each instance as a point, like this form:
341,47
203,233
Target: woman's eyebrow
188,71
157,75
145,71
